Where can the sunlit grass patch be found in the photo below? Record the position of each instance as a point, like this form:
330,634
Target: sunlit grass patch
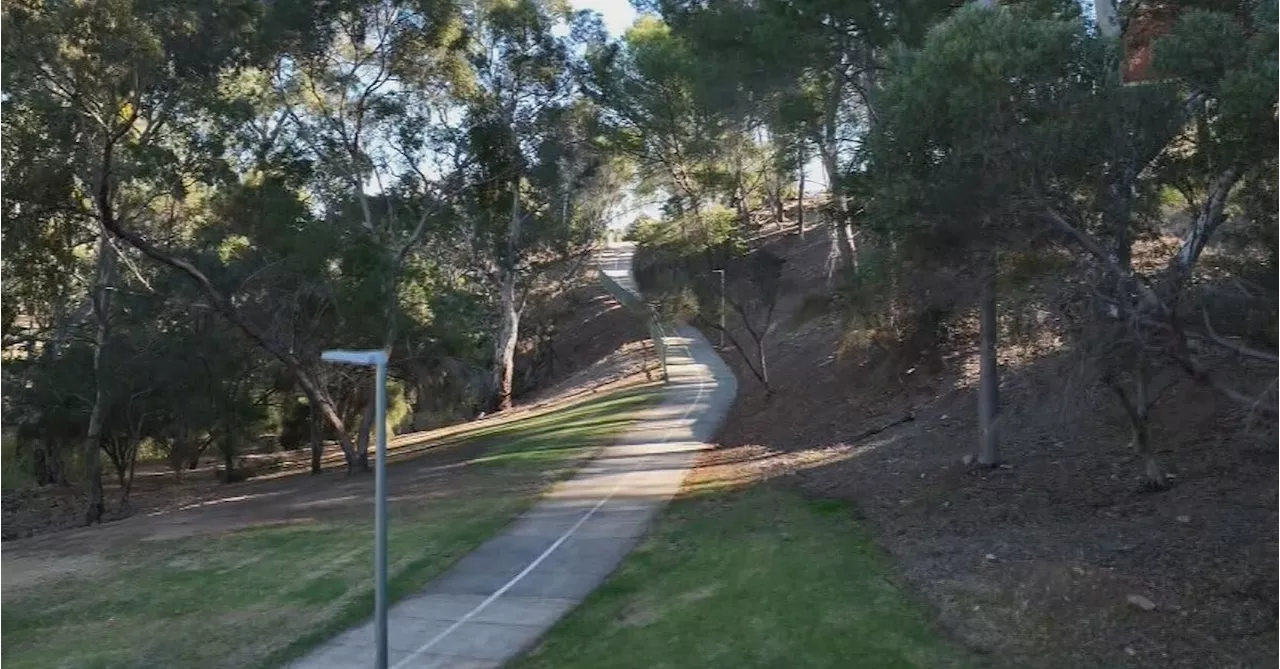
757,577
261,596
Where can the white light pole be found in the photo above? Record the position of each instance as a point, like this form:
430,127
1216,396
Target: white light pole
721,273
378,360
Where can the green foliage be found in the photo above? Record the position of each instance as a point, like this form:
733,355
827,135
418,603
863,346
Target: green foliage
295,425
1233,60
398,409
340,173
970,120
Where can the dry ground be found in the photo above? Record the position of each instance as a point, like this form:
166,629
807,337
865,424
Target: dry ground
1032,565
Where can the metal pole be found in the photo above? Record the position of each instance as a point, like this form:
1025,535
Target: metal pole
380,518
377,360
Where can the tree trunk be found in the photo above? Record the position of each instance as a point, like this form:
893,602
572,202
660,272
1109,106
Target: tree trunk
845,249
229,462
366,428
388,340
779,212
1211,214
989,390
119,456
505,346
827,148
317,397
317,444
509,331
199,453
800,198
764,365
1137,407
127,485
96,507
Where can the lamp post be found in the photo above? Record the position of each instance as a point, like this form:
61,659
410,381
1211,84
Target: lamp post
721,273
378,360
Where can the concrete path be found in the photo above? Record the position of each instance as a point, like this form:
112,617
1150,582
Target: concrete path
494,603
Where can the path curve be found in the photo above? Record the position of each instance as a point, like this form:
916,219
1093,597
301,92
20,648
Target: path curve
497,601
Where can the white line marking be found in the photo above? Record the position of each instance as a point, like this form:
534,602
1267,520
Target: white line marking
702,384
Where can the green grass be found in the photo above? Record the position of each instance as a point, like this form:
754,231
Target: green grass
760,577
260,597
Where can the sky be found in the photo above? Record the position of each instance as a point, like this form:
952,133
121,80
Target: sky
617,14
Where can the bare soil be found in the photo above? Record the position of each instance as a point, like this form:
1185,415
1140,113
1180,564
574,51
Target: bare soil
597,342
1052,560
601,347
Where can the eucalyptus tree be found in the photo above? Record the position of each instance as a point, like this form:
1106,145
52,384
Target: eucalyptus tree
368,108
649,90
811,68
122,91
529,147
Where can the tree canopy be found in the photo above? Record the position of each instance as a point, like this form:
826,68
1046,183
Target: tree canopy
202,196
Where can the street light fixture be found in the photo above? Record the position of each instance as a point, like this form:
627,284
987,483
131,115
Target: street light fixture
378,360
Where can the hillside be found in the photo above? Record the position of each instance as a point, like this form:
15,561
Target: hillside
598,345
1053,559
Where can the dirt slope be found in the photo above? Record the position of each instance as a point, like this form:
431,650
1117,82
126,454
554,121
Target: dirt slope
1034,564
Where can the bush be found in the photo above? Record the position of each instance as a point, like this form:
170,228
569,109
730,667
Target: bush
16,468
295,425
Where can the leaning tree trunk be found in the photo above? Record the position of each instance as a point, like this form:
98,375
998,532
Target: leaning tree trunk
762,360
989,388
319,399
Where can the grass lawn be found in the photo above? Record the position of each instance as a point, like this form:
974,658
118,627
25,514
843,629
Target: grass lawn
760,577
261,596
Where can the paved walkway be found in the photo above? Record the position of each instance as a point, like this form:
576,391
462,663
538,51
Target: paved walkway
494,603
